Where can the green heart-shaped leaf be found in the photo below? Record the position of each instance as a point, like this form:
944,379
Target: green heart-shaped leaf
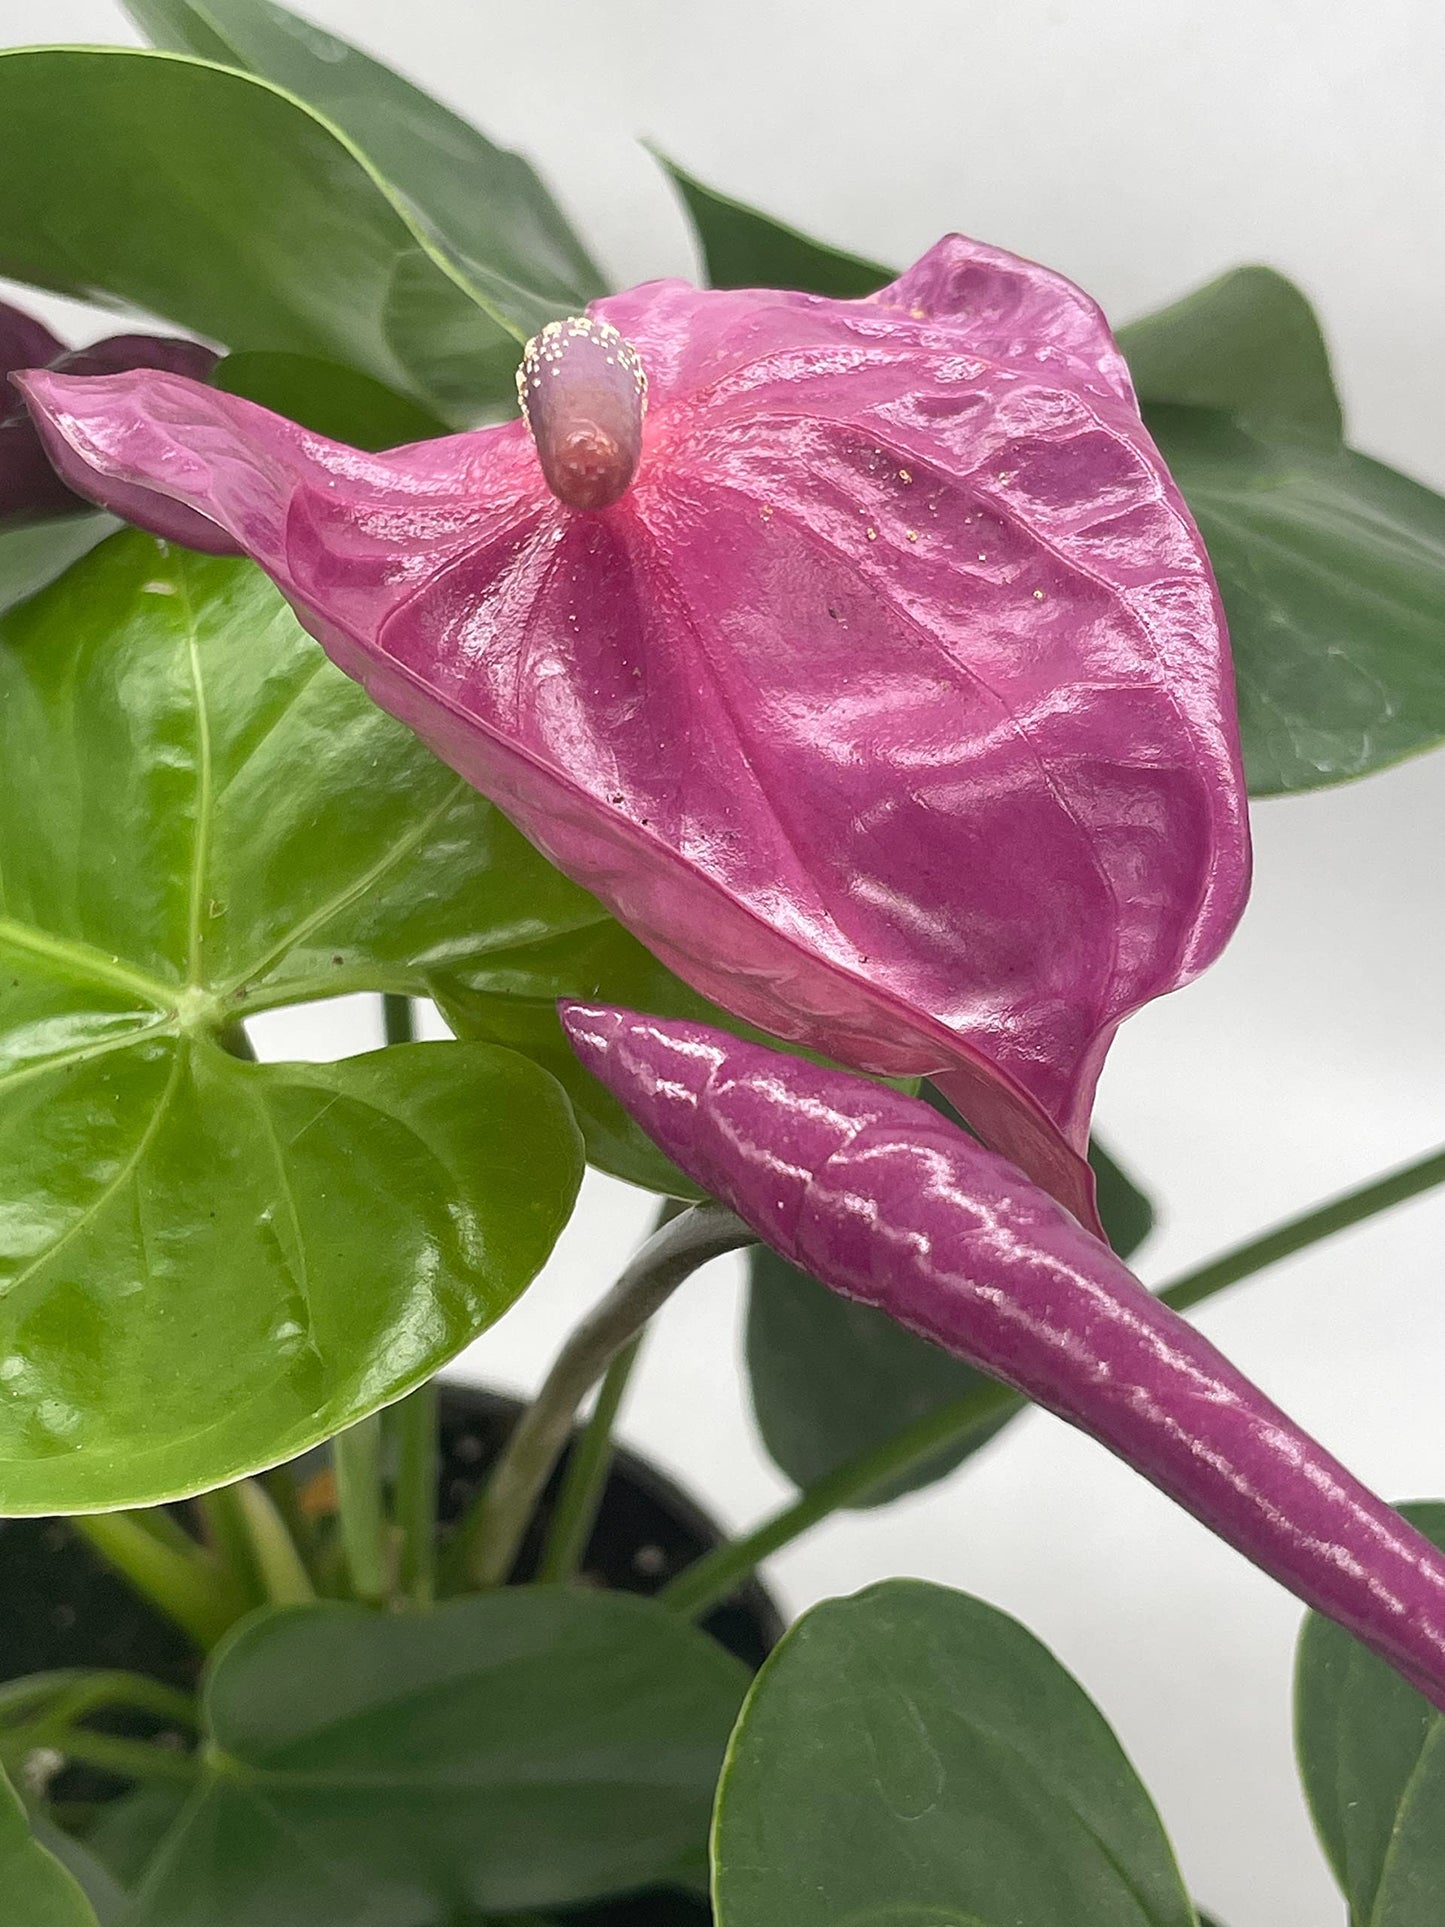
911,1756
517,1749
37,1890
210,1264
1332,569
1372,1756
832,1379
1247,343
221,1263
227,205
486,207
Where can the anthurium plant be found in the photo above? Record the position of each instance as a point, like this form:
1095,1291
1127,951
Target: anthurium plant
786,726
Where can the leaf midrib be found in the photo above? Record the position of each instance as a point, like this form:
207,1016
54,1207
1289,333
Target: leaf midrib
205,786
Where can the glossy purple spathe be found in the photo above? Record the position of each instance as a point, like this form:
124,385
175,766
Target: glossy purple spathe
882,1199
890,705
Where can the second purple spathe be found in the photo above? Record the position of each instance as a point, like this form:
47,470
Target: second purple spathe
30,487
881,1199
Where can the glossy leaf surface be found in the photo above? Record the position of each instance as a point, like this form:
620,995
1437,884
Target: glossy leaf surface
830,1378
485,206
1332,566
35,1889
1332,569
949,778
209,1264
518,1749
216,200
1372,1757
912,1756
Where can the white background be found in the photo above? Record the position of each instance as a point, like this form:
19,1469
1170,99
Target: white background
1141,146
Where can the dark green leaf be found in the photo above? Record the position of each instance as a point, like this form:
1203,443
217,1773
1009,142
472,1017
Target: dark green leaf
34,554
1127,1214
1332,569
911,1756
743,248
518,1749
209,1264
36,1890
327,398
485,206
1372,1756
831,1379
228,206
1247,343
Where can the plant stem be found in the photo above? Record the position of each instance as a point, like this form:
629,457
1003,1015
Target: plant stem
70,1695
414,1422
356,1454
130,1759
280,1569
89,1692
398,1024
487,1540
717,1573
1295,1234
586,1477
194,1590
162,1524
280,1487
228,1529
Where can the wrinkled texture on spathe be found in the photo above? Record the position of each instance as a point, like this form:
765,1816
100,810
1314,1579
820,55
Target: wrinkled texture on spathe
884,1201
890,707
29,485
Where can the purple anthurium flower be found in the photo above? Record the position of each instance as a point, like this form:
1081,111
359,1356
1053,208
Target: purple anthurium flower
29,485
874,676
882,1199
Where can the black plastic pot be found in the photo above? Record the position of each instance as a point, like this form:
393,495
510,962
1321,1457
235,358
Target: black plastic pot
60,1605
647,1527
